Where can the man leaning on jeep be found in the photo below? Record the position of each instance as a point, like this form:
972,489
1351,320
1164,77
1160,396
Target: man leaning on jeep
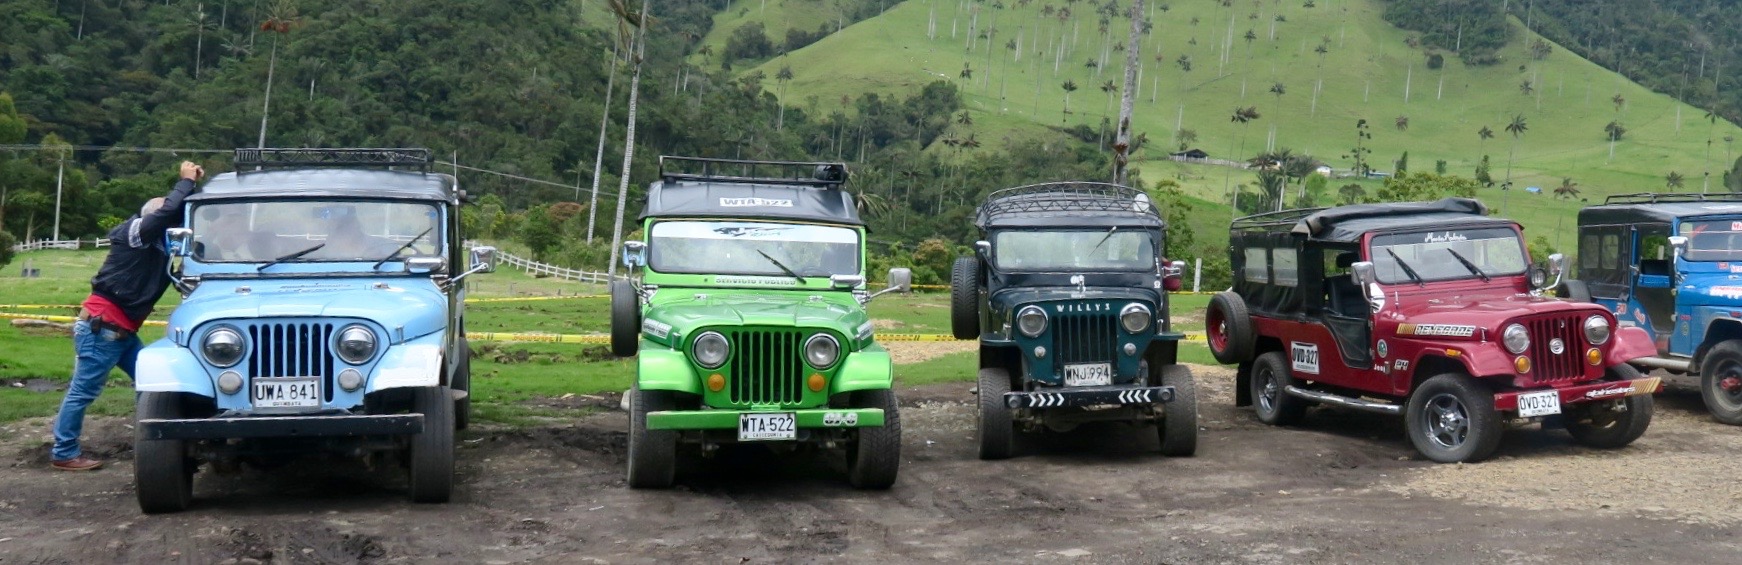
124,291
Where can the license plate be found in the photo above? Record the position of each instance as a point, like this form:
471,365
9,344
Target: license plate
1089,374
287,393
770,426
1545,403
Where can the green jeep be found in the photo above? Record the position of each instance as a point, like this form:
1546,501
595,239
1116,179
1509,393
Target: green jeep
746,308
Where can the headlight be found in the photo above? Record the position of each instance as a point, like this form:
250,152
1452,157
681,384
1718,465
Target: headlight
223,346
1135,317
1596,330
1516,339
1031,320
356,344
822,350
711,349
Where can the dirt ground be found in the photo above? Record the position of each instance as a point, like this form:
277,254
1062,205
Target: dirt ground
1342,488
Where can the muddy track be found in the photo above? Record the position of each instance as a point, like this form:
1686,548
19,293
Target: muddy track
1344,487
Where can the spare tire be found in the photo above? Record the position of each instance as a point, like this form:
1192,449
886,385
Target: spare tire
965,298
1574,290
625,318
1228,328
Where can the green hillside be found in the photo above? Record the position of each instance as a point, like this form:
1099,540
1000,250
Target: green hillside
1369,71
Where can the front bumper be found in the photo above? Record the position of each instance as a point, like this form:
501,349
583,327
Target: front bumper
284,426
1588,392
728,419
1112,395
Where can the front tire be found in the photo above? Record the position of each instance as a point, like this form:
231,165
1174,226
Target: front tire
1451,419
1228,328
997,430
432,452
965,298
1598,425
652,453
1270,402
1179,425
1721,382
462,382
625,319
162,474
875,457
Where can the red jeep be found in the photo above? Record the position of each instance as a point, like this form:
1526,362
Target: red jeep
1428,309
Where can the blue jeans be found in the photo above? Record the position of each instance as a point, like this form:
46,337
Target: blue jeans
97,353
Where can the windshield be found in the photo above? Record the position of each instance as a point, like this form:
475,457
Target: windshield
1442,255
753,248
351,230
1713,240
1121,249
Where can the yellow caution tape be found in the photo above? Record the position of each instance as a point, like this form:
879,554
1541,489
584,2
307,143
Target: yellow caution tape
39,306
64,319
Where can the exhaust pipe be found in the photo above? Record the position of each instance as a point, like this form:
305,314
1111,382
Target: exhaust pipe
1344,401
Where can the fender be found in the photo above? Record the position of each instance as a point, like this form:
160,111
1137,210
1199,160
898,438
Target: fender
164,366
866,369
659,368
415,363
1630,343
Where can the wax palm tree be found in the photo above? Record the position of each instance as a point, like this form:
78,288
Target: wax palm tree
279,20
1568,189
636,55
782,77
1402,123
599,157
1484,134
1517,128
1674,180
1069,86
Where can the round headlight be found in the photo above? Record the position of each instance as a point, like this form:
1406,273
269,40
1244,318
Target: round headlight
1538,277
822,350
356,344
710,349
1031,320
1516,339
223,346
1597,330
1135,317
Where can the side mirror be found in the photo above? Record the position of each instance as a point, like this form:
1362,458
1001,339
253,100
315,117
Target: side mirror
1173,276
634,254
900,280
179,241
1368,280
483,259
846,282
1557,267
423,265
983,248
1679,244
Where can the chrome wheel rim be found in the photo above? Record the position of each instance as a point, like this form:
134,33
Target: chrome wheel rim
1446,421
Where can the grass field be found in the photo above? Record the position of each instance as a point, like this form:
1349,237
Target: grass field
1368,72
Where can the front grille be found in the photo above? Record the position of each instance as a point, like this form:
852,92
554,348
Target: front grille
292,350
1547,366
1085,337
767,366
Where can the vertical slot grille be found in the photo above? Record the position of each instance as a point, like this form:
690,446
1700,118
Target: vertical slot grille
767,366
292,350
1086,337
1548,366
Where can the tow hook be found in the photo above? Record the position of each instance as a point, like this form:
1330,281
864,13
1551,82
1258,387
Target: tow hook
1730,384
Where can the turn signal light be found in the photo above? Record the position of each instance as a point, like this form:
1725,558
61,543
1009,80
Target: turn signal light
1522,363
817,382
1593,356
716,382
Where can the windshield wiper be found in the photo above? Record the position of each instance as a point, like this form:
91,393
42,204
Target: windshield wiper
290,256
1104,239
1467,264
401,249
1406,269
789,272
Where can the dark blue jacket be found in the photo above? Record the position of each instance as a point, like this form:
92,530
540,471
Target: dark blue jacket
136,272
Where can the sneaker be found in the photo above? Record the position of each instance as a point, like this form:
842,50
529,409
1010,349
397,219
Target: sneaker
80,463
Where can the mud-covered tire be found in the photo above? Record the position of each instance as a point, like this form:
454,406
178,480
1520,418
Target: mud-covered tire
652,453
1723,362
625,318
1596,425
1451,418
163,476
1179,425
874,458
997,432
1228,328
1574,290
965,298
462,382
432,451
1273,405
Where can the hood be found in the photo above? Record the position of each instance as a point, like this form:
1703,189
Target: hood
1481,307
689,309
1009,298
413,303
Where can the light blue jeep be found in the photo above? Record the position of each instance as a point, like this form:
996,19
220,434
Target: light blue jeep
322,311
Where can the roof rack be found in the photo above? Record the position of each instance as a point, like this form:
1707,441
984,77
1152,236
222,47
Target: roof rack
277,158
1069,196
792,173
1660,197
1274,219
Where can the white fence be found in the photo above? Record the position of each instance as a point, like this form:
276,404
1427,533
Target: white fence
536,268
58,244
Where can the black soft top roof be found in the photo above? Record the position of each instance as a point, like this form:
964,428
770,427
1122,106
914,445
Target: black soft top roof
1664,208
723,188
1349,223
393,173
1064,204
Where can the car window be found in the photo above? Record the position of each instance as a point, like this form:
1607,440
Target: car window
1589,251
1713,240
1430,254
1257,265
1611,253
753,248
345,230
1285,266
1074,250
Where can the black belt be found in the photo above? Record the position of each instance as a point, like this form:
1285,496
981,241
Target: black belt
98,324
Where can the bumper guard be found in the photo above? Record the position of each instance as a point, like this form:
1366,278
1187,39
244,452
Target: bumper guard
1090,396
284,426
